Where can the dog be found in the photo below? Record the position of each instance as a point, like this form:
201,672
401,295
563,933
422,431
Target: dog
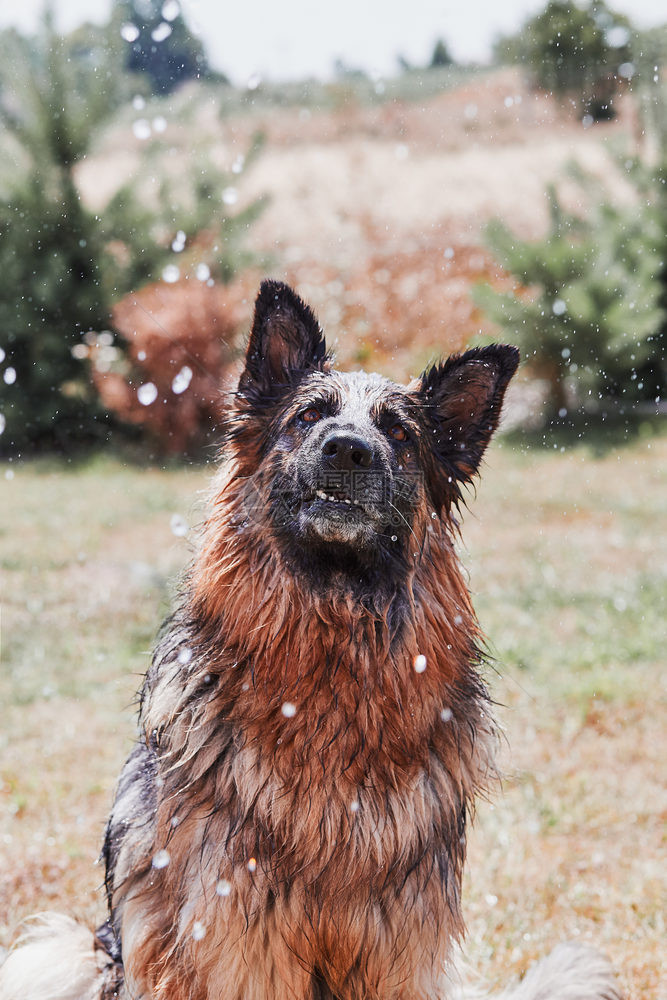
314,726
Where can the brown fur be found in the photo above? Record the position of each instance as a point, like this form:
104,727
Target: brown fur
287,800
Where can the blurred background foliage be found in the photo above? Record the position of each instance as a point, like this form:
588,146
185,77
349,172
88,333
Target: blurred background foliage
68,265
104,308
590,310
580,52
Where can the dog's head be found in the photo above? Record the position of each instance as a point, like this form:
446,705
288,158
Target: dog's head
346,469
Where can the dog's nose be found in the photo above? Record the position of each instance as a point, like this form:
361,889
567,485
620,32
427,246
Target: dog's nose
345,451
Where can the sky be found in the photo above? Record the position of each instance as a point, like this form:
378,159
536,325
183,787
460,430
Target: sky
294,39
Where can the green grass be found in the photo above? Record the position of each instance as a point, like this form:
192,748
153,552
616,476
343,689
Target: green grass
573,567
88,554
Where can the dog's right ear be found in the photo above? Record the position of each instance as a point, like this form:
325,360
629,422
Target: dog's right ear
285,342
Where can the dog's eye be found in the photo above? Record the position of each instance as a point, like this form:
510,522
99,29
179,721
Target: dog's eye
311,415
398,432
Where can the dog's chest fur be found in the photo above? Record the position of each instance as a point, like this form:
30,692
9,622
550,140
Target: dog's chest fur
279,824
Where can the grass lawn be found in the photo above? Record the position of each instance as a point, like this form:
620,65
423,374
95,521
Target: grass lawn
566,554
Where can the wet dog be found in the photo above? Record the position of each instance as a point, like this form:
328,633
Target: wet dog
314,726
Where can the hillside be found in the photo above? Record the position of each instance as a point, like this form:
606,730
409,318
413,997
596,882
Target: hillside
376,211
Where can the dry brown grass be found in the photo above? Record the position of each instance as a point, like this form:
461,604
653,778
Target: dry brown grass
565,556
570,565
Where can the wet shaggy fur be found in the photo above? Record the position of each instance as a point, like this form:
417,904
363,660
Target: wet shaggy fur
314,725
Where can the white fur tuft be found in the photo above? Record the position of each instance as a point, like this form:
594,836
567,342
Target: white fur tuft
53,959
571,972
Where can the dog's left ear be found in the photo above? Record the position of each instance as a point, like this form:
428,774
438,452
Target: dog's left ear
462,400
285,341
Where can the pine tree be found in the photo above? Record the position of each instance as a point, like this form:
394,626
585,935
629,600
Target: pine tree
49,255
441,55
64,267
160,44
574,51
590,303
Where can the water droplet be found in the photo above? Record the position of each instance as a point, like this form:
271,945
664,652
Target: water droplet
9,376
3,423
161,859
433,515
254,81
170,274
491,899
354,806
558,307
230,196
141,355
458,619
198,931
238,164
2,355
181,381
178,242
288,708
203,272
162,32
170,10
252,865
419,663
142,129
138,102
446,715
179,527
617,36
223,888
147,393
394,538
159,123
129,32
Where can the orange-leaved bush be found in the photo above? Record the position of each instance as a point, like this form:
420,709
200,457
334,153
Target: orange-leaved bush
181,341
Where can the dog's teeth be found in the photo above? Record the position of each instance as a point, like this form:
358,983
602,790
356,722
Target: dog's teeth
321,494
348,501
333,499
